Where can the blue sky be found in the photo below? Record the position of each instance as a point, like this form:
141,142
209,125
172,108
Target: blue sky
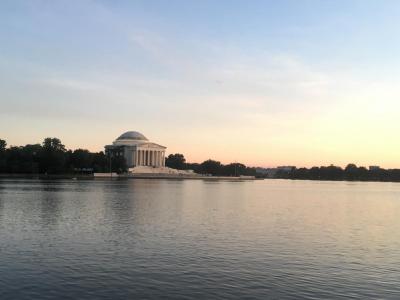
262,82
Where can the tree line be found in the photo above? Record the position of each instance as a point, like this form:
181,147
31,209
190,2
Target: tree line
210,167
51,157
351,173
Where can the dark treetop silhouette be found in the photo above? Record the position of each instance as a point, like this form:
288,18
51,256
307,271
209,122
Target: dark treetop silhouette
51,157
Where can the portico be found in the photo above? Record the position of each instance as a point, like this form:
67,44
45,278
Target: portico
148,157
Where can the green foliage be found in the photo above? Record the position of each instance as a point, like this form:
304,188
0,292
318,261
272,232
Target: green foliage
351,173
80,159
209,167
53,144
24,159
99,163
51,157
176,161
236,169
119,164
3,145
216,168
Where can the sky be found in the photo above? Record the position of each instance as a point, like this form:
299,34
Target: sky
265,83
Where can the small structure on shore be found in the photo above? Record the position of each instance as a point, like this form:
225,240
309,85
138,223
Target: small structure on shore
142,156
137,150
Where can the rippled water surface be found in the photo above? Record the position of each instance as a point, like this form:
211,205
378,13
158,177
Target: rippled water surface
193,239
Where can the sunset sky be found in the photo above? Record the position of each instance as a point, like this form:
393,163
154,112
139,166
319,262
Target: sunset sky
264,83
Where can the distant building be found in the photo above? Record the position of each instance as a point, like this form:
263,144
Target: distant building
273,172
286,168
267,172
137,150
374,168
262,171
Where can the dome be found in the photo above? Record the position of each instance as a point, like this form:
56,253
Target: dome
132,135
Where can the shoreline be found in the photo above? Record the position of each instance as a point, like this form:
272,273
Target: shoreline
164,176
122,177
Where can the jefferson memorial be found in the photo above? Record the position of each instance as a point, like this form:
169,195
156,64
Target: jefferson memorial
138,150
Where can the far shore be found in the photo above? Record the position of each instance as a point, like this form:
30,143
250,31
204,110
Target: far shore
162,176
122,177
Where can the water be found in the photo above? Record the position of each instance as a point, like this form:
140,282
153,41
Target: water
132,239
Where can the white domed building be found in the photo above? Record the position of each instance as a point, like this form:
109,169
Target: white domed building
138,150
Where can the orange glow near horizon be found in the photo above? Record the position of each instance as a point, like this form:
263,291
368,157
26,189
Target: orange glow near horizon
302,143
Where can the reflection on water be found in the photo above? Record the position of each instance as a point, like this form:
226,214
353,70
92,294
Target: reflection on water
199,239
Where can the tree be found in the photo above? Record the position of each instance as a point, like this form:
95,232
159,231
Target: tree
100,162
331,173
52,158
53,144
211,167
80,159
13,160
3,145
30,156
234,169
351,172
196,167
119,164
176,161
